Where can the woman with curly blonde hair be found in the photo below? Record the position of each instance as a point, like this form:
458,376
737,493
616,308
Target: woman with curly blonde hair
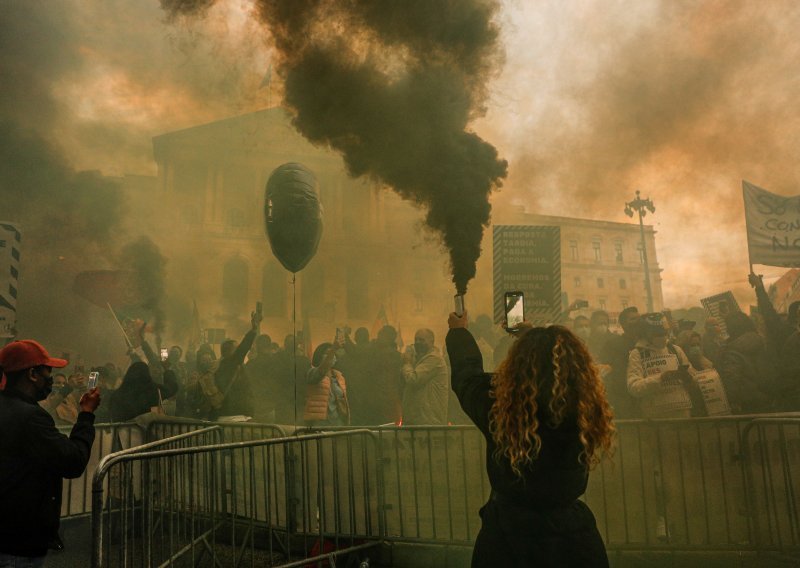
546,422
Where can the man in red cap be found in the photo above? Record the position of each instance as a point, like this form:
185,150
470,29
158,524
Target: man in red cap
34,455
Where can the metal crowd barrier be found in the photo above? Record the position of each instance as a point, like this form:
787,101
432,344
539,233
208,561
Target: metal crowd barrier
773,459
710,484
76,500
279,502
233,431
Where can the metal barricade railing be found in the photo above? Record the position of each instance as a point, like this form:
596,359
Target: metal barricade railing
76,497
773,460
277,502
233,431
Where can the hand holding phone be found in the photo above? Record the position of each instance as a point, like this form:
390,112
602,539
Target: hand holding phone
93,377
164,353
515,310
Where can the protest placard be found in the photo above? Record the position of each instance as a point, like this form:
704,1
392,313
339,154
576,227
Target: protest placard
719,306
713,392
528,258
773,227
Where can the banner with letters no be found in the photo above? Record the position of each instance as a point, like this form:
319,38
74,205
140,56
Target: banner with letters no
10,238
773,227
528,258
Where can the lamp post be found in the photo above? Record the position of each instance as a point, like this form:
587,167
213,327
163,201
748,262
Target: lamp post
642,206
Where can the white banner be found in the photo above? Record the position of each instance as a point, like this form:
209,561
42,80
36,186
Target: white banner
713,393
773,227
9,276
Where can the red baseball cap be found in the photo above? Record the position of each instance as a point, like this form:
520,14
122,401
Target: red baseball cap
25,354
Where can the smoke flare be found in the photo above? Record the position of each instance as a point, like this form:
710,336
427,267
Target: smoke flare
393,86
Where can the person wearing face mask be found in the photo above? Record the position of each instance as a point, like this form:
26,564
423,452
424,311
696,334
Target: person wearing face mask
659,373
582,329
326,391
692,344
424,373
34,456
60,392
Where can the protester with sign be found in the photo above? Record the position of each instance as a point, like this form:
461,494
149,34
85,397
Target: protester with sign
546,422
659,374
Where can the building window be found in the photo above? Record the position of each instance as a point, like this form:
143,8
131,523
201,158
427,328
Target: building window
273,290
602,303
419,302
601,283
577,281
235,275
357,294
618,251
622,284
596,248
573,250
641,253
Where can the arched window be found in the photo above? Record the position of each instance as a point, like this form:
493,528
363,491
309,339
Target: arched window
273,289
235,276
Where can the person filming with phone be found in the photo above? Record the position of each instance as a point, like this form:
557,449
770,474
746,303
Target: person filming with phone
34,455
546,422
326,390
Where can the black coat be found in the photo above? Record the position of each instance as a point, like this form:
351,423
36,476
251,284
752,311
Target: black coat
535,519
138,393
34,458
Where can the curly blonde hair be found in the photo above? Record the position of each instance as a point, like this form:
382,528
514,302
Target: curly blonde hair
548,375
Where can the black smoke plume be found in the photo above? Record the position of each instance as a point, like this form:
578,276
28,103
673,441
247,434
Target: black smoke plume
144,258
393,86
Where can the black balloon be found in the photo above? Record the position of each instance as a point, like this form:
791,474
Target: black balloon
293,215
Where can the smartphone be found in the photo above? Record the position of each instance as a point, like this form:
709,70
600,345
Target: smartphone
164,353
459,303
259,308
339,336
93,376
515,309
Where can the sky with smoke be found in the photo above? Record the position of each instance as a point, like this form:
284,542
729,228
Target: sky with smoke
681,100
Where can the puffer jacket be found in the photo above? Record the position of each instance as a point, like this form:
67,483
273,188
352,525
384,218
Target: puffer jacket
318,394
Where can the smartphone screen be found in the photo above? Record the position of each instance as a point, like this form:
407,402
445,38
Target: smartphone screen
459,304
515,309
164,353
93,376
259,308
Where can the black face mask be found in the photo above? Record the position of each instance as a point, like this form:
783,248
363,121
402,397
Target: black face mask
43,387
420,348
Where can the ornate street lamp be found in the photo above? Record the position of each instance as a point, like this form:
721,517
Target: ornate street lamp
642,206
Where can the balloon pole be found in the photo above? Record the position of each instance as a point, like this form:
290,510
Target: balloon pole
294,342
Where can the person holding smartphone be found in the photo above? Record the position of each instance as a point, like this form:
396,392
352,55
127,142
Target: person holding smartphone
546,422
326,390
34,455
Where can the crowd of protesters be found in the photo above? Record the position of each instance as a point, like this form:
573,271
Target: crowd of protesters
648,362
650,366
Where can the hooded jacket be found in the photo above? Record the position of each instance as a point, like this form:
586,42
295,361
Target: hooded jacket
426,391
139,393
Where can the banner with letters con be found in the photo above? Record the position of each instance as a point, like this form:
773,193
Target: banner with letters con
773,227
528,258
10,238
